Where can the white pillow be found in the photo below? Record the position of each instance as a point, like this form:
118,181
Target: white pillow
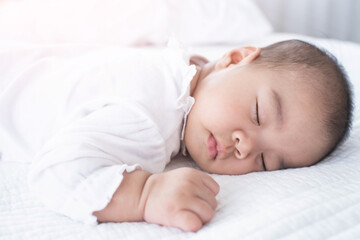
82,21
216,21
126,22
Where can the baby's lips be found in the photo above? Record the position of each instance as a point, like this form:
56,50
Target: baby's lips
212,147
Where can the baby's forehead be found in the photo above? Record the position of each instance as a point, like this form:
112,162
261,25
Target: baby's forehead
294,90
306,83
290,76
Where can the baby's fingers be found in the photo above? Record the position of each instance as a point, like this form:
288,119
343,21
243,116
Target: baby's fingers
207,195
187,221
210,183
199,212
202,209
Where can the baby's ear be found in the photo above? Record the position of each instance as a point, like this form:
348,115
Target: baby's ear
241,56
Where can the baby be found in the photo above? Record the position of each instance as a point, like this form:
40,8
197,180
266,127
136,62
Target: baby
99,129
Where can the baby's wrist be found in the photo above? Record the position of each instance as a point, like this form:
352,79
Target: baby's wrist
143,194
147,188
126,203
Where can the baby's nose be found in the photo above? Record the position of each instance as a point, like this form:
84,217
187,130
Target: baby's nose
243,144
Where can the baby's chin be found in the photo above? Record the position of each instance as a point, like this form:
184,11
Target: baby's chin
205,165
212,167
200,162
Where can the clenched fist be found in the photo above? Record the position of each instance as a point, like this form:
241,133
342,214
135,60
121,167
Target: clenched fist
183,198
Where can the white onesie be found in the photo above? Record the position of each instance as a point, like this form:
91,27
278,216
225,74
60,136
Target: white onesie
82,121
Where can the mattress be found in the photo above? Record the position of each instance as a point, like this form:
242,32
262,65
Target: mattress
317,202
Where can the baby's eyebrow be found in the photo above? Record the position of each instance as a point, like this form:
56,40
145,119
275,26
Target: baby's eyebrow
278,106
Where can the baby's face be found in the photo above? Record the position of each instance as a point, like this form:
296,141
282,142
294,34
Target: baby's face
250,119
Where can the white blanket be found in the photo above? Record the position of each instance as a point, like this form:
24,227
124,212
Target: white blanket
318,202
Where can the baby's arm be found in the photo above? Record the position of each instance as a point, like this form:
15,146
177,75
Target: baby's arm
81,169
183,198
126,204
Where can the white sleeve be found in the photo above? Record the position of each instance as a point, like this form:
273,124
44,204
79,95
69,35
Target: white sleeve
80,168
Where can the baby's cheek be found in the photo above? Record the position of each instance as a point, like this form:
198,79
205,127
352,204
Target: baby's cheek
224,114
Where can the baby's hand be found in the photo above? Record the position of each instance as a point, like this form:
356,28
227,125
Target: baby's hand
183,198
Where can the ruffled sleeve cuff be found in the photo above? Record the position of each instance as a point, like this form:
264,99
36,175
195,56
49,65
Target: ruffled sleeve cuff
94,193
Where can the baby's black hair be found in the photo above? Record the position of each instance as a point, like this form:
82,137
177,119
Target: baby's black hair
327,77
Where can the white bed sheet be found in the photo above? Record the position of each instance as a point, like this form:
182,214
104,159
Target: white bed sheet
318,202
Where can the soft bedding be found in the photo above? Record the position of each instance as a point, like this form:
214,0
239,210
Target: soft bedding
317,202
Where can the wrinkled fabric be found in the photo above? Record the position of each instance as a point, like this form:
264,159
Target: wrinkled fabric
82,121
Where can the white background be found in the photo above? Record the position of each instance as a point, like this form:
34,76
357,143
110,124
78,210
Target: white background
338,19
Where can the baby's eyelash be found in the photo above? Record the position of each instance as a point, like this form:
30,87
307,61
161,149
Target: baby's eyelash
257,113
263,161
